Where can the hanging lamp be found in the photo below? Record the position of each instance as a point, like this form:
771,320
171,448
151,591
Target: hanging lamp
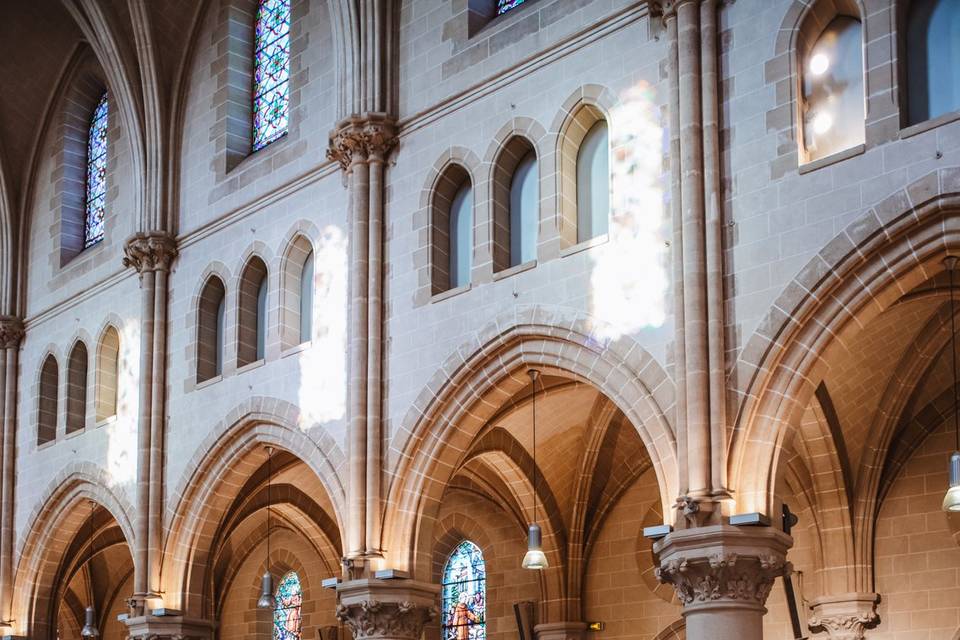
951,501
90,629
534,558
266,582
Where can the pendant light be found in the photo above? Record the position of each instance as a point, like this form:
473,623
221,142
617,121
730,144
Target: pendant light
951,501
534,558
266,583
90,629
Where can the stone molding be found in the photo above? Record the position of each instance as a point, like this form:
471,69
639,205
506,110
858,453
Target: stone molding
150,251
386,610
168,628
722,564
845,617
11,332
362,138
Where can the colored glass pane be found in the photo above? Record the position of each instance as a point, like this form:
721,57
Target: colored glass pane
505,5
96,185
271,72
464,592
286,613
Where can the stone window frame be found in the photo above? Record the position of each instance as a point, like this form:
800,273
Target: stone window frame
77,387
501,161
783,71
83,85
107,384
232,71
902,14
202,360
583,109
47,407
438,190
254,271
300,238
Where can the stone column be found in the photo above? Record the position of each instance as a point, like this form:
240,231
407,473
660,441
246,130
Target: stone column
151,627
722,576
11,333
386,609
846,616
361,144
151,254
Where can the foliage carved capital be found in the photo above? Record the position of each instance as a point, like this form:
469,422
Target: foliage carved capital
845,617
11,331
720,563
362,139
374,619
153,251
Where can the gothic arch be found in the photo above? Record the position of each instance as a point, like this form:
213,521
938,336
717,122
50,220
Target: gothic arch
55,520
219,460
491,367
887,251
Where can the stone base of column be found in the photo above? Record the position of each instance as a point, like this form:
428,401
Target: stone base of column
845,616
386,609
560,631
169,628
722,575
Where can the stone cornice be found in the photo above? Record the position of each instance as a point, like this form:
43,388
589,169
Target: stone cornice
11,331
151,251
361,139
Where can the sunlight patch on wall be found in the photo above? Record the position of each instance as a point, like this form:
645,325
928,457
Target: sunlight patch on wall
629,277
323,366
122,432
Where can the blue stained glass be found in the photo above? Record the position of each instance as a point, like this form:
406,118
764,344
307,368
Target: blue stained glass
464,592
287,621
271,73
505,5
96,186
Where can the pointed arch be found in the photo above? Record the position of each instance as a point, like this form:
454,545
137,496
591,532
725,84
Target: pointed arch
108,373
77,369
494,362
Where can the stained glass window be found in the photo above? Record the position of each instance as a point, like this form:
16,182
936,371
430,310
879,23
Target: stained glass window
271,73
465,594
96,187
505,5
286,613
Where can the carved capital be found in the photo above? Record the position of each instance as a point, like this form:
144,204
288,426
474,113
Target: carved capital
386,610
11,331
151,251
168,628
723,564
362,139
845,617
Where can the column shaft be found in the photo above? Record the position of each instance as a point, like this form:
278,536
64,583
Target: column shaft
141,553
9,352
375,358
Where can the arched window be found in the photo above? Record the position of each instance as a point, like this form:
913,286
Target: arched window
287,618
96,183
108,370
271,72
452,230
464,593
593,183
833,104
933,59
210,329
252,313
306,299
77,388
516,204
47,401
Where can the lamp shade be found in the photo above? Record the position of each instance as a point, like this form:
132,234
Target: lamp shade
90,624
951,501
534,558
266,592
